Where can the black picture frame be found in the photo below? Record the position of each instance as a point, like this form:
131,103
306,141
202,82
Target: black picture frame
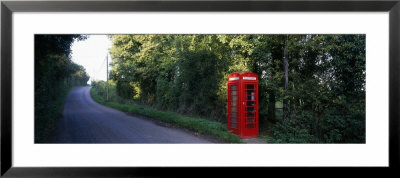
8,7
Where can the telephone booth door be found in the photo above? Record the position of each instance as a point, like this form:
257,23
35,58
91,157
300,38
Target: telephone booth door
233,107
250,109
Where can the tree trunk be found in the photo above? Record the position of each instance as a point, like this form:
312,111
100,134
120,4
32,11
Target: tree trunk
285,81
271,105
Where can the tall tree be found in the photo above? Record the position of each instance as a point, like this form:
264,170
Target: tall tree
285,79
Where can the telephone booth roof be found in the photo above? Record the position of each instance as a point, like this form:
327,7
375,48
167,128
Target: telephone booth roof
242,73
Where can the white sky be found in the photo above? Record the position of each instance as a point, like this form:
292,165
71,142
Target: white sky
91,54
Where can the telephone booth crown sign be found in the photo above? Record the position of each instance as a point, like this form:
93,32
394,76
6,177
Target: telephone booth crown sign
243,104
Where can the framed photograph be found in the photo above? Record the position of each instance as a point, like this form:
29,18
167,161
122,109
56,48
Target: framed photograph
113,88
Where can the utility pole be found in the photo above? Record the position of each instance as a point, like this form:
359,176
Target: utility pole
107,77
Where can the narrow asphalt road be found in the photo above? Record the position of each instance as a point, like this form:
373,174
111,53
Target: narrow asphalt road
85,121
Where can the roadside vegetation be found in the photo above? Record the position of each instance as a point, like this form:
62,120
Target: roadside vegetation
55,76
316,81
195,124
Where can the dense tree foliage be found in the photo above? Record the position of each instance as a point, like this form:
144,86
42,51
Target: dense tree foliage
324,95
55,73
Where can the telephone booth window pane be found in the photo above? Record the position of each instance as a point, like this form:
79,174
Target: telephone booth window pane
249,92
249,97
250,120
250,103
234,125
234,98
249,86
250,109
234,92
250,114
233,108
233,87
234,119
233,103
234,114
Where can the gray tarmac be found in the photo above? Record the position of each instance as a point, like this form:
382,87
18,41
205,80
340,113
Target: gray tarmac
85,121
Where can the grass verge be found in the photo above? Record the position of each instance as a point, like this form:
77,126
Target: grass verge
203,126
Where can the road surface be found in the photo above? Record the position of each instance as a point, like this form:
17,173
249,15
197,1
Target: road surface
85,121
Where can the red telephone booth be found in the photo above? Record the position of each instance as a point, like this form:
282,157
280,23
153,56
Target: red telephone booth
243,104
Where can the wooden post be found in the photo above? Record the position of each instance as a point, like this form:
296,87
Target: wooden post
107,77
